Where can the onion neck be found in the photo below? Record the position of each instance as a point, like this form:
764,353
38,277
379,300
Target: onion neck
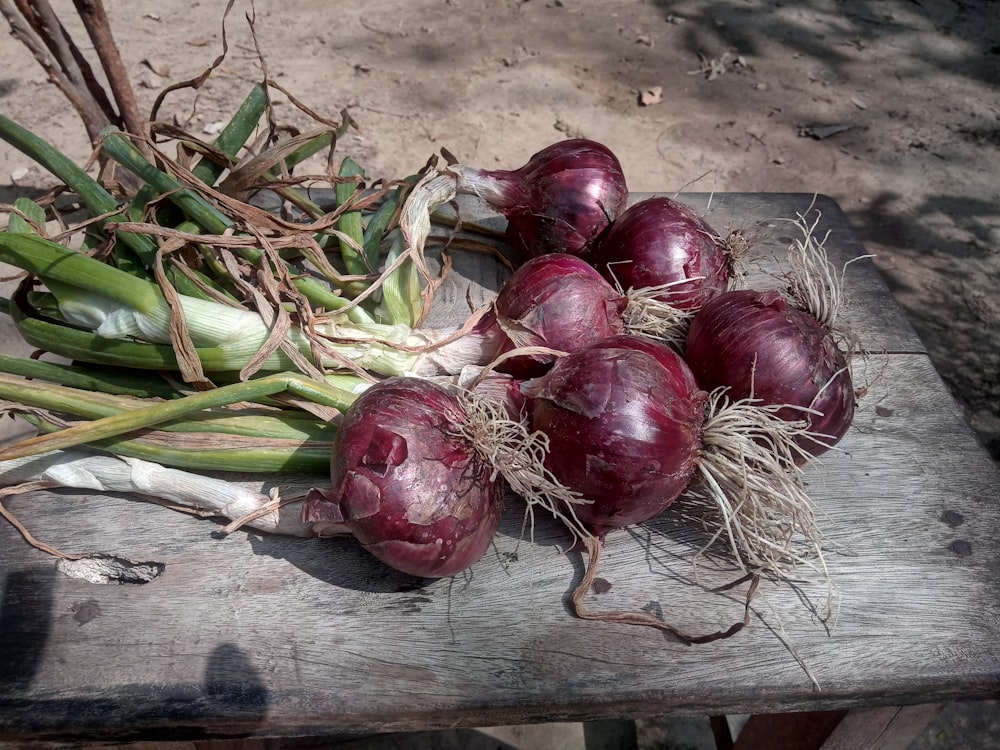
503,189
459,349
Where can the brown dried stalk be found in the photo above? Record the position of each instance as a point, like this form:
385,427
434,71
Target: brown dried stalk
35,24
95,19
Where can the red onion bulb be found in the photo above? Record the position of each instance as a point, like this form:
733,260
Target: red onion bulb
758,343
560,302
410,488
561,200
623,418
658,242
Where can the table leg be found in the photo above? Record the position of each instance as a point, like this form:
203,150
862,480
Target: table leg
885,728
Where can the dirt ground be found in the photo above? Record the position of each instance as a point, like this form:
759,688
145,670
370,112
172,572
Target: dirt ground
890,108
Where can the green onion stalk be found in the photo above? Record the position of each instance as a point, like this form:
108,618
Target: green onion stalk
191,432
202,213
396,296
98,313
117,306
137,250
359,246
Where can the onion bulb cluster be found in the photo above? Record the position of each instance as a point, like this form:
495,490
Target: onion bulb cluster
630,351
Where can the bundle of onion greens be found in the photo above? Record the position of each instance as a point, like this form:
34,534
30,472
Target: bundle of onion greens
258,329
179,279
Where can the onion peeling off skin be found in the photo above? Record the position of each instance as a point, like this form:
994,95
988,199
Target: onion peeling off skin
418,471
559,301
407,484
630,431
561,200
782,350
556,301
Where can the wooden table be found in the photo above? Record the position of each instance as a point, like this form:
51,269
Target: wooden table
254,635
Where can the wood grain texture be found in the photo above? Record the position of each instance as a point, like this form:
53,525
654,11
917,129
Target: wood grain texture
259,635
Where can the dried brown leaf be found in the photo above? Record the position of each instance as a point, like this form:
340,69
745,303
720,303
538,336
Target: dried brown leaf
249,173
188,361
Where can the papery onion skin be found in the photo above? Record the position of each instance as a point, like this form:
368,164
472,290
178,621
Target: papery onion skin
415,493
760,342
623,418
556,301
661,241
561,200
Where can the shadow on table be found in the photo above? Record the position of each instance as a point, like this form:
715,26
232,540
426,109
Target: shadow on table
339,561
25,623
233,687
232,699
344,563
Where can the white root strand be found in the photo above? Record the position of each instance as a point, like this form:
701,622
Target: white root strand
751,475
649,314
815,284
519,456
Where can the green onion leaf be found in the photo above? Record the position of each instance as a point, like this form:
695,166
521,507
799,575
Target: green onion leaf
234,135
352,232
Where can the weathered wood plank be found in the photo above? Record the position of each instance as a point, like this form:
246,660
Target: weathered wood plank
262,635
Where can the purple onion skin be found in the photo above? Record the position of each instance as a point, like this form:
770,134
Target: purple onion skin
660,241
416,495
796,357
623,418
562,199
557,301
